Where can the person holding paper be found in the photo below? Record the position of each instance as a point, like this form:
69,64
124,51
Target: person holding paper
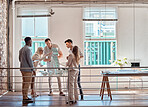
53,61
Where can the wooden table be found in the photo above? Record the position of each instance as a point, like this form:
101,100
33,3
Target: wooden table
105,79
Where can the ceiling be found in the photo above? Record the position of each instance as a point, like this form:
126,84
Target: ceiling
94,1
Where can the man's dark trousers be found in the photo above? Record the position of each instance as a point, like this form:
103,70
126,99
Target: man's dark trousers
79,84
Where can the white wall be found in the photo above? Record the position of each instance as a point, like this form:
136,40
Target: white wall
131,31
15,45
131,36
66,23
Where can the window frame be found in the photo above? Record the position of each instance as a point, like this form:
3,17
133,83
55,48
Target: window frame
35,39
34,24
100,39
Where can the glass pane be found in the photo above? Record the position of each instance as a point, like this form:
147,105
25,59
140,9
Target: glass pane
107,15
100,13
100,29
27,26
108,29
41,26
101,54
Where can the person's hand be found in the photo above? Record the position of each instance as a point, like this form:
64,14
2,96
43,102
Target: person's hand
34,73
41,65
49,59
49,54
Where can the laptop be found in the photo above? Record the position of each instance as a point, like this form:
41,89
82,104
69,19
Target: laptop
135,64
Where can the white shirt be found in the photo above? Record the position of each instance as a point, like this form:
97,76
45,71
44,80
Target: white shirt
54,57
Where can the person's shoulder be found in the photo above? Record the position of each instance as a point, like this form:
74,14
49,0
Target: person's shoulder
45,47
20,51
27,49
36,54
23,48
54,45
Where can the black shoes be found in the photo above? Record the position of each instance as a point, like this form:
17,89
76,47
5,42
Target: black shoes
50,94
29,100
61,94
71,102
82,97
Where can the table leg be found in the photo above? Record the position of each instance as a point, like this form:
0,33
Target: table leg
108,88
107,84
103,87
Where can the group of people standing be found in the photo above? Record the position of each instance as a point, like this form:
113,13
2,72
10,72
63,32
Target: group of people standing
51,53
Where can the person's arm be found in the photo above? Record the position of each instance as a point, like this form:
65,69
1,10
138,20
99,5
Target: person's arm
69,60
29,59
46,59
81,54
40,64
35,57
45,54
43,57
60,54
20,53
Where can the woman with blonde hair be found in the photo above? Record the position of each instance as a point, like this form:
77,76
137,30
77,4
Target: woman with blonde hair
73,62
37,57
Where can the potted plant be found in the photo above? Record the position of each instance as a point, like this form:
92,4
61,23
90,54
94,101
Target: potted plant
120,62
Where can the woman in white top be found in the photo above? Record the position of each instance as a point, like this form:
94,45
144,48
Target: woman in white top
37,57
73,62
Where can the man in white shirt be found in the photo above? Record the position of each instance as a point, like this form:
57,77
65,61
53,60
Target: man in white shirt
69,44
53,61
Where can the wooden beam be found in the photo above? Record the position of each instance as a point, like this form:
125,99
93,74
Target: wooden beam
117,1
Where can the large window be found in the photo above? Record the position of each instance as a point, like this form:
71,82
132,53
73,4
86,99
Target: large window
100,35
37,29
100,29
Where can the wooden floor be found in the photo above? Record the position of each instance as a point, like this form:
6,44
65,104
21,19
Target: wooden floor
120,98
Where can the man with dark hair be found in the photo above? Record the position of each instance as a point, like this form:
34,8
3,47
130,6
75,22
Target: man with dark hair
68,40
46,40
28,39
53,61
69,44
25,58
